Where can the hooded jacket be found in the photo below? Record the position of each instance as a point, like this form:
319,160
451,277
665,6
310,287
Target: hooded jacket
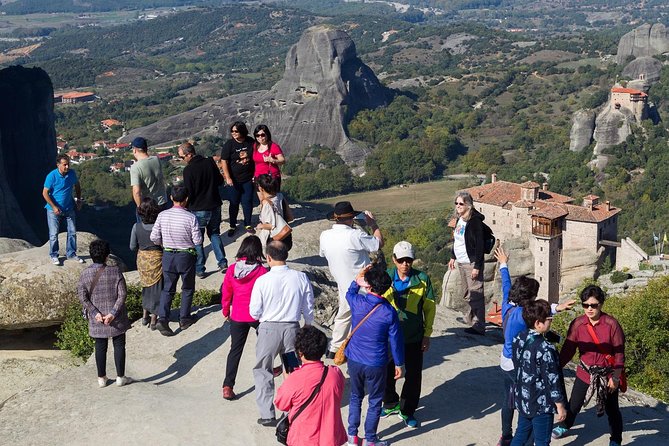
474,240
237,287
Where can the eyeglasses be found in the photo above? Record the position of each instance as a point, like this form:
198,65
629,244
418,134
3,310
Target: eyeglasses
593,306
260,135
459,203
405,260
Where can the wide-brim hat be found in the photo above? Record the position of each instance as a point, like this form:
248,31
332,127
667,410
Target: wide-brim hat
342,211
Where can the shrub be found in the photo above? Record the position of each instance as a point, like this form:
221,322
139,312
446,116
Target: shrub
619,277
73,333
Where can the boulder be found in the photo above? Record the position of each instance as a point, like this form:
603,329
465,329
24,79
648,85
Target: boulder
646,69
35,293
646,40
582,128
8,245
324,85
27,151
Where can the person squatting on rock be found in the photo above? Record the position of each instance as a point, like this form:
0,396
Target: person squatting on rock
602,361
320,422
347,250
57,193
235,299
412,296
201,180
237,163
146,176
467,254
514,298
539,391
367,350
178,232
102,292
279,299
149,260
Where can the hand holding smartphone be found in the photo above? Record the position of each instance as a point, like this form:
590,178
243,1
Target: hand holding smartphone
290,362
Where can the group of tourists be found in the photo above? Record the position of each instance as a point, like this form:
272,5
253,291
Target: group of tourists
384,322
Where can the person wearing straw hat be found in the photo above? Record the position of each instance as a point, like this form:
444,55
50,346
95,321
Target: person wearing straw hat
347,250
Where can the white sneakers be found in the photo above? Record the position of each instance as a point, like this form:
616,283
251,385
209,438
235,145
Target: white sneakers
102,381
120,381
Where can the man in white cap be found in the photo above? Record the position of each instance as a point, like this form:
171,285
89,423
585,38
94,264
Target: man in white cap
347,250
412,296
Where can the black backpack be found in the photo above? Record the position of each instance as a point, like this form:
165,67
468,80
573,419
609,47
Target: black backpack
489,238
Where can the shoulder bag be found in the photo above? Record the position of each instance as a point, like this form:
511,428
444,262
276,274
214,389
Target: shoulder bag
340,356
623,376
283,426
281,229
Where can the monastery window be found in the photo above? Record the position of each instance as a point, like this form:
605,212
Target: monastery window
517,226
493,222
541,248
552,274
541,263
541,279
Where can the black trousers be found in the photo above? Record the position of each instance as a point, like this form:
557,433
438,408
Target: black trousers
612,410
413,364
101,355
239,331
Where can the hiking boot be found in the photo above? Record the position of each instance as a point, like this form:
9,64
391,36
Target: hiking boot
228,394
559,432
409,420
123,380
353,440
504,441
391,411
164,328
267,422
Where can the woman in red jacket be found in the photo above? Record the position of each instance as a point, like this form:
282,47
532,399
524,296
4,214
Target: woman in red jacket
236,293
320,422
600,341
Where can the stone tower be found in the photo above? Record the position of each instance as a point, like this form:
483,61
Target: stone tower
547,224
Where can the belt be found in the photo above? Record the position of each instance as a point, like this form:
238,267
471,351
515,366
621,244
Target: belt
190,251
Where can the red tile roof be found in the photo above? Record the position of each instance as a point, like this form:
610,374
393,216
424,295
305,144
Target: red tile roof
77,94
628,91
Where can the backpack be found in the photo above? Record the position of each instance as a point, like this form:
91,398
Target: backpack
488,237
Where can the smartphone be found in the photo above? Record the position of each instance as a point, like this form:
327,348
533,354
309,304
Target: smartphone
290,361
553,337
360,219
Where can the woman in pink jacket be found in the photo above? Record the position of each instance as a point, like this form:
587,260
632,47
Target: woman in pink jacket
320,422
236,293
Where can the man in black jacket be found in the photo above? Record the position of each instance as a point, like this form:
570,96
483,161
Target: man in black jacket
201,179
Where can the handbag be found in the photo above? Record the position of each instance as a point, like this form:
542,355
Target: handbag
84,311
283,425
623,376
340,356
281,229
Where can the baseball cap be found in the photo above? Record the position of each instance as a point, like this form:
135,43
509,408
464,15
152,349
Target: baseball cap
139,143
403,250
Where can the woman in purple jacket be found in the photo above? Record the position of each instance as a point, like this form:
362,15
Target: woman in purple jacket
235,297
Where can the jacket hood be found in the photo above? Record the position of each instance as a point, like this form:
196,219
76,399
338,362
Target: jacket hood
243,269
477,214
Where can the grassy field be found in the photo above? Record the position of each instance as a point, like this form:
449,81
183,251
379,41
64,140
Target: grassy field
435,196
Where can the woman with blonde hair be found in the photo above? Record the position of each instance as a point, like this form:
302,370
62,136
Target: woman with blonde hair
467,253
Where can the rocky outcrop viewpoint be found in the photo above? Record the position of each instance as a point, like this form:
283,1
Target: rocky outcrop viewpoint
646,40
582,128
323,86
27,151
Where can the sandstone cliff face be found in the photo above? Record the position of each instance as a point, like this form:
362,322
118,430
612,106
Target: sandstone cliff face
27,151
323,86
646,68
612,127
646,40
582,128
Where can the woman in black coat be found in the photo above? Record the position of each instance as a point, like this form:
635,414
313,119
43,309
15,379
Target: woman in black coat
467,254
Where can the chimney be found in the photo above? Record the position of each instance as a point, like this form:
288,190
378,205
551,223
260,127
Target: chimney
589,201
544,186
493,177
607,204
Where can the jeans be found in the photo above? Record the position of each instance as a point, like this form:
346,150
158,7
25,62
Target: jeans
413,363
539,425
101,355
374,380
241,193
211,222
177,264
53,222
239,331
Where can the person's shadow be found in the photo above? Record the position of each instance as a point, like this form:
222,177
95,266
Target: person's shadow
190,354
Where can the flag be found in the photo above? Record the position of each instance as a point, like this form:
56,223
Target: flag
664,240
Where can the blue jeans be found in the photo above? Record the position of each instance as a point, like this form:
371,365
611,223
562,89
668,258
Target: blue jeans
211,222
539,425
241,193
374,380
177,264
53,221
508,407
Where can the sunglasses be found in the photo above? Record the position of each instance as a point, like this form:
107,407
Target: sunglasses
260,135
593,306
459,203
405,260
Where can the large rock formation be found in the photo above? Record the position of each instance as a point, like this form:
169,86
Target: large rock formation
612,127
323,86
646,69
27,151
646,40
583,125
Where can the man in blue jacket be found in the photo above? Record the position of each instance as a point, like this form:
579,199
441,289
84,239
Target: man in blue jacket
367,351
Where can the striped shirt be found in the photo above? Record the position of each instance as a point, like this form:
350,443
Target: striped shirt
176,228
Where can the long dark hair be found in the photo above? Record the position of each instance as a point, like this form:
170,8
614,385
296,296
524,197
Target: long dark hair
265,129
241,128
251,249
